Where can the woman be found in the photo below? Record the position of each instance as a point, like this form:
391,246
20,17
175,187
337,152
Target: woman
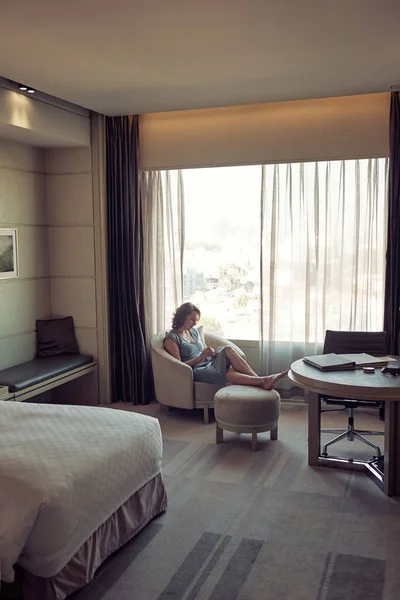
219,366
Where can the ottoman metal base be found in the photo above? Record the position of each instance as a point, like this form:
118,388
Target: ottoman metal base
219,432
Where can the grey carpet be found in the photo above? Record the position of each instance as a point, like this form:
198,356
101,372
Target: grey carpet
258,525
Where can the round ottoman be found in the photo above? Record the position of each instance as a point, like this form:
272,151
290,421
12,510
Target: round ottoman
246,409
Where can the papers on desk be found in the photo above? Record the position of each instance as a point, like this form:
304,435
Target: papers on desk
366,360
346,362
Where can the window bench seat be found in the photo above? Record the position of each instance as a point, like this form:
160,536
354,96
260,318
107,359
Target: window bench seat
42,374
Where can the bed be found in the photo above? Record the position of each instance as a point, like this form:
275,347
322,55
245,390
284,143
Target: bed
76,483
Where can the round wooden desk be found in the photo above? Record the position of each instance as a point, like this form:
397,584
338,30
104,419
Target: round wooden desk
353,385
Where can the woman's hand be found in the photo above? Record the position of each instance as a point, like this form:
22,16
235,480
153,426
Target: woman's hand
208,351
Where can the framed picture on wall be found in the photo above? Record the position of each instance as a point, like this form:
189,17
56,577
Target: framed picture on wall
8,253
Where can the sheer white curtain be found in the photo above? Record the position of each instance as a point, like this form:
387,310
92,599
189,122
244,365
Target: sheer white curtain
322,254
162,199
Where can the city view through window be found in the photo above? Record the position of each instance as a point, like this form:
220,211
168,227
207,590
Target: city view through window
221,267
222,248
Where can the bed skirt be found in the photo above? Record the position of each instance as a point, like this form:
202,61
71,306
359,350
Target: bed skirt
122,526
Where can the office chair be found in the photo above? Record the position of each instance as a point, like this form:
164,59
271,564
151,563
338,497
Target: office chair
352,342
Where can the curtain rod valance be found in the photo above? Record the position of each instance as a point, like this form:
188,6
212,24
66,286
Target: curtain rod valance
302,130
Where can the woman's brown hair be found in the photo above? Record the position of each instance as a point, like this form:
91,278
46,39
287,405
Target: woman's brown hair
182,312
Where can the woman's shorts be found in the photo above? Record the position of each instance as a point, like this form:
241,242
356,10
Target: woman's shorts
213,370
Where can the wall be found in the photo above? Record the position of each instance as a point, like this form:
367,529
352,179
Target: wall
23,206
69,192
52,191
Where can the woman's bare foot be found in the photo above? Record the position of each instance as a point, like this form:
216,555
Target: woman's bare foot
271,380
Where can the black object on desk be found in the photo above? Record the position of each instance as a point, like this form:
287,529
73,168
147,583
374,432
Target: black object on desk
392,369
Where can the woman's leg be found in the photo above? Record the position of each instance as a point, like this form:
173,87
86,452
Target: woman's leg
238,363
268,383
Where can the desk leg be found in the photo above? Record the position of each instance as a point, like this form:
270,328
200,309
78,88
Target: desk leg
392,450
314,428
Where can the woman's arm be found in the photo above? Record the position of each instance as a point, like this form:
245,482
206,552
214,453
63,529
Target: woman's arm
172,348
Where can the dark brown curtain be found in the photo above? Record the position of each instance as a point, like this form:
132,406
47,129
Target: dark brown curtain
392,285
130,369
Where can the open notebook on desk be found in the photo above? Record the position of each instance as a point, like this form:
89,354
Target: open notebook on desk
346,362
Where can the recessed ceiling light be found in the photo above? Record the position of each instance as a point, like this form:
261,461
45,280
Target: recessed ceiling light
23,88
31,91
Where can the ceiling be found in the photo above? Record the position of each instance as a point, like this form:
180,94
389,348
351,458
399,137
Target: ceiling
135,56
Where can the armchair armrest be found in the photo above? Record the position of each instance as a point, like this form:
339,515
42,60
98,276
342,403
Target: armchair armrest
173,379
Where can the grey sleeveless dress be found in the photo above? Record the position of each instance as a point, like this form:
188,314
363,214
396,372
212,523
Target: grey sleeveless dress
209,370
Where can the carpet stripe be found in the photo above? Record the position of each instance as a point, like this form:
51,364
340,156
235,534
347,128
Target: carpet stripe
324,576
237,570
356,577
277,470
190,449
270,460
210,566
171,448
209,451
196,460
188,570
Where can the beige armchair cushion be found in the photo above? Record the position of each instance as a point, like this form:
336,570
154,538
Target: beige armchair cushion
201,334
173,379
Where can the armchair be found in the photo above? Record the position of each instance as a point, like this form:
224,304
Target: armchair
173,379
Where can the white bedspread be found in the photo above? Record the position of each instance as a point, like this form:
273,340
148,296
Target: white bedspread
63,471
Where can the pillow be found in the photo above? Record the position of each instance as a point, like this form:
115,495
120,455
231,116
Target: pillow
56,336
201,334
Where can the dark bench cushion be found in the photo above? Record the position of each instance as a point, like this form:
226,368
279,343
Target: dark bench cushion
38,370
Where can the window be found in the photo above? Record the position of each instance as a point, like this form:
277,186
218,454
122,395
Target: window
221,269
324,242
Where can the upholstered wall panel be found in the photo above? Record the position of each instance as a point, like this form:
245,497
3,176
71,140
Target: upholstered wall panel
70,199
67,160
71,251
22,302
76,297
21,157
23,206
22,197
33,251
17,349
87,340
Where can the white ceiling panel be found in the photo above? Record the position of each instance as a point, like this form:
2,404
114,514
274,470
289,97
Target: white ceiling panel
135,56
